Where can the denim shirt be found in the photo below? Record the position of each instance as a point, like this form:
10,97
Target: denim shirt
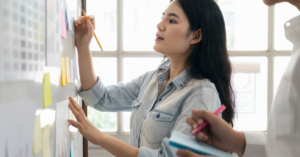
154,116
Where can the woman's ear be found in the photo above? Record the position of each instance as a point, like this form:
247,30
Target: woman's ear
197,37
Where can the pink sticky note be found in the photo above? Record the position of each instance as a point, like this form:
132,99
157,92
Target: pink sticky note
63,25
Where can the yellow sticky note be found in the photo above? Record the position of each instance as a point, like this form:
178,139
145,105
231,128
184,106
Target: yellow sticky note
45,139
68,70
37,139
47,97
63,72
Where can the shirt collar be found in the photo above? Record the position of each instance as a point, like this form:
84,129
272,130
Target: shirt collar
180,81
292,30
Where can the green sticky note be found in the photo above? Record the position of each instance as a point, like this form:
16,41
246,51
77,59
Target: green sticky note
47,97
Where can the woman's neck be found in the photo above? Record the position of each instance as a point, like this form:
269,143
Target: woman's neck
178,65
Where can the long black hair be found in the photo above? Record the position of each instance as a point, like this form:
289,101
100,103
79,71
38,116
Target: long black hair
209,59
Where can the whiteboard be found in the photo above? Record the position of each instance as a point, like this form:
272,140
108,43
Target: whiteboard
23,60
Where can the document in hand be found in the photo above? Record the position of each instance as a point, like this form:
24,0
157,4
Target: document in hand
182,141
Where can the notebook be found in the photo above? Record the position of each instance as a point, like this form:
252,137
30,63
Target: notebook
182,141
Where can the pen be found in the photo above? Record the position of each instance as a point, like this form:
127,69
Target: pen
93,31
217,112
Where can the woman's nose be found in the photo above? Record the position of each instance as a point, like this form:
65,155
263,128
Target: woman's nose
160,26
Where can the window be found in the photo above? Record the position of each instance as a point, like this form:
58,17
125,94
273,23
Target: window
105,121
258,51
244,32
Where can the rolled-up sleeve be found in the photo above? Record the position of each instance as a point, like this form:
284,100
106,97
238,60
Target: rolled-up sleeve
204,99
113,98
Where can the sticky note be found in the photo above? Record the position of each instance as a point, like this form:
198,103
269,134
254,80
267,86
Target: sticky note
66,17
63,72
72,148
69,19
71,26
37,139
72,70
45,143
47,97
63,25
68,70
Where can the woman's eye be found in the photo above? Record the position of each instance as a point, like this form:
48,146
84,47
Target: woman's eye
172,21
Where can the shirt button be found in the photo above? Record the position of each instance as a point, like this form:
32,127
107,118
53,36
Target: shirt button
181,85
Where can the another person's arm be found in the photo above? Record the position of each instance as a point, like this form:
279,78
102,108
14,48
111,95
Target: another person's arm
221,135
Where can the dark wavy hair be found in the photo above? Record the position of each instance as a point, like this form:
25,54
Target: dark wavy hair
209,59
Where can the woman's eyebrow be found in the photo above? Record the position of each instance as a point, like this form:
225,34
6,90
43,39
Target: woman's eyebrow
172,14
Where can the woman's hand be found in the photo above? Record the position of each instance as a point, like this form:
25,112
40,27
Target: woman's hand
218,133
84,31
86,128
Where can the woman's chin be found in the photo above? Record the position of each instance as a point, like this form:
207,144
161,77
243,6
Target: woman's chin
157,49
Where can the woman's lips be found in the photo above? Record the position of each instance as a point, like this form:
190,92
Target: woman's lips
158,38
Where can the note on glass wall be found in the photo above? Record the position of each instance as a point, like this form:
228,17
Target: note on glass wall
37,139
45,139
63,25
53,33
68,70
62,129
47,96
63,72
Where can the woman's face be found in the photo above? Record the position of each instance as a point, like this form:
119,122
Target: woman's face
171,38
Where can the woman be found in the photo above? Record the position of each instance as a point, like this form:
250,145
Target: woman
282,138
197,75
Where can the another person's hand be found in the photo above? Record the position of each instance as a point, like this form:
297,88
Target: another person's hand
85,127
218,133
84,31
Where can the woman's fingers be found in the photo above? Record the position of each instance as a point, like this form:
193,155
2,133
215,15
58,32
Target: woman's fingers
75,112
75,124
76,106
92,19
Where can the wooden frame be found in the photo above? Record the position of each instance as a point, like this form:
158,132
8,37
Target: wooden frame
85,141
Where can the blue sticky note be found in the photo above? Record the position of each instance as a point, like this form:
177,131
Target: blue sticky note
66,17
72,70
69,19
72,148
71,26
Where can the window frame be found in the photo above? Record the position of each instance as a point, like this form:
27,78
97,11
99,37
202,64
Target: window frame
270,54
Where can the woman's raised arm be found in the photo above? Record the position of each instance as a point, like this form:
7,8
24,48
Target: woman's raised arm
83,36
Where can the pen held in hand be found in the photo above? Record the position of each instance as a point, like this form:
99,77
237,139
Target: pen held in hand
93,31
217,112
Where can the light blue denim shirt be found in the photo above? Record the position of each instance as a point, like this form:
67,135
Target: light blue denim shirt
154,116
